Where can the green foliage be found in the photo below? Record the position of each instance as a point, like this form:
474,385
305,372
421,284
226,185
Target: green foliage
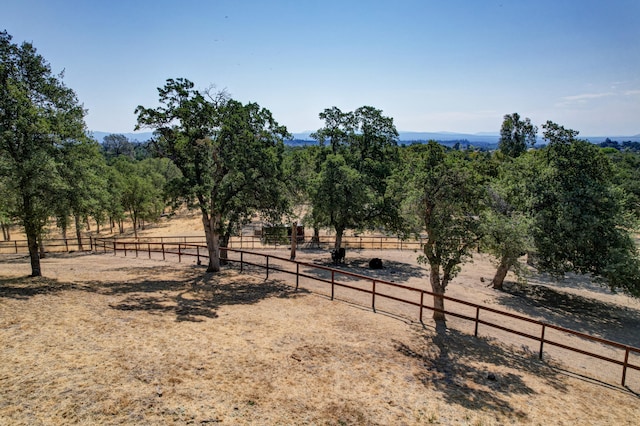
361,154
580,220
341,193
141,188
37,115
441,194
516,134
229,155
626,166
116,145
506,224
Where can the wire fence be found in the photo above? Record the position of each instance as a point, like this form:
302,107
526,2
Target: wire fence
540,338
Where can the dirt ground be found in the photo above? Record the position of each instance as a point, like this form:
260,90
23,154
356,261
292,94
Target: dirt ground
104,339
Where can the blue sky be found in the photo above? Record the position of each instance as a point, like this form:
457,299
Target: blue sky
438,65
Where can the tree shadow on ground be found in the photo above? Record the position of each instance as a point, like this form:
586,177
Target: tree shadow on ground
198,297
15,258
392,271
476,373
579,313
192,297
23,288
570,280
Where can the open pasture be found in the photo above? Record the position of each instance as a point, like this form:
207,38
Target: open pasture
103,339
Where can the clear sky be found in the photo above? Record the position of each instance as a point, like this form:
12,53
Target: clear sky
432,65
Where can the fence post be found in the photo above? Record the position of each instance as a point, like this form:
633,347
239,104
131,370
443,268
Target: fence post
179,253
137,247
475,333
90,243
198,254
115,251
15,243
542,340
332,284
624,366
373,297
124,245
297,275
149,249
421,304
163,256
267,268
241,261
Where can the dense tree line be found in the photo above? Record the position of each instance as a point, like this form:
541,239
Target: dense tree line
569,205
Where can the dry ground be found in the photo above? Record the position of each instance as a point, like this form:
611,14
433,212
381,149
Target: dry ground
108,340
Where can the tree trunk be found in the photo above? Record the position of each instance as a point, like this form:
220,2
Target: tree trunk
32,230
134,219
224,243
41,248
32,242
213,240
79,233
437,288
339,233
501,273
5,232
64,238
316,236
294,240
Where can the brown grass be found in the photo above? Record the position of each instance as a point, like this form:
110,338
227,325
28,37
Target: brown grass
107,340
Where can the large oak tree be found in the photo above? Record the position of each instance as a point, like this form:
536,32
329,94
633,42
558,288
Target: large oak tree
441,194
350,189
229,153
38,114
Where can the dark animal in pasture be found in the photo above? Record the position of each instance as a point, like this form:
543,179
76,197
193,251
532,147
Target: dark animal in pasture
338,255
375,263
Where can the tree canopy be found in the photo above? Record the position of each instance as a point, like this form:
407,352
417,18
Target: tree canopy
229,153
581,224
349,191
439,194
516,134
38,113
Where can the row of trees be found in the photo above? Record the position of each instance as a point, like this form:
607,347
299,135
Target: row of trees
563,204
570,204
50,168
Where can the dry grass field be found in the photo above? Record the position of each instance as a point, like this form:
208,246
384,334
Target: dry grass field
104,339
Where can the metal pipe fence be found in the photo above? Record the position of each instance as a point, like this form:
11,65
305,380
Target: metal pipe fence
53,245
388,296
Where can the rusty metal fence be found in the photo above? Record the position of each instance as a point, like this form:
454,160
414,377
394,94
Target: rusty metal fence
364,242
398,299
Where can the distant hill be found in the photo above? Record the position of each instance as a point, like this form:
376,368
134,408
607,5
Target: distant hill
481,140
485,140
600,139
140,137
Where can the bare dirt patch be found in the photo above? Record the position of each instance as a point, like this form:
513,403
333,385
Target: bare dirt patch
108,340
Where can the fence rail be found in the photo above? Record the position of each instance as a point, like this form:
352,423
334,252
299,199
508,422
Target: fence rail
365,242
53,245
375,289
